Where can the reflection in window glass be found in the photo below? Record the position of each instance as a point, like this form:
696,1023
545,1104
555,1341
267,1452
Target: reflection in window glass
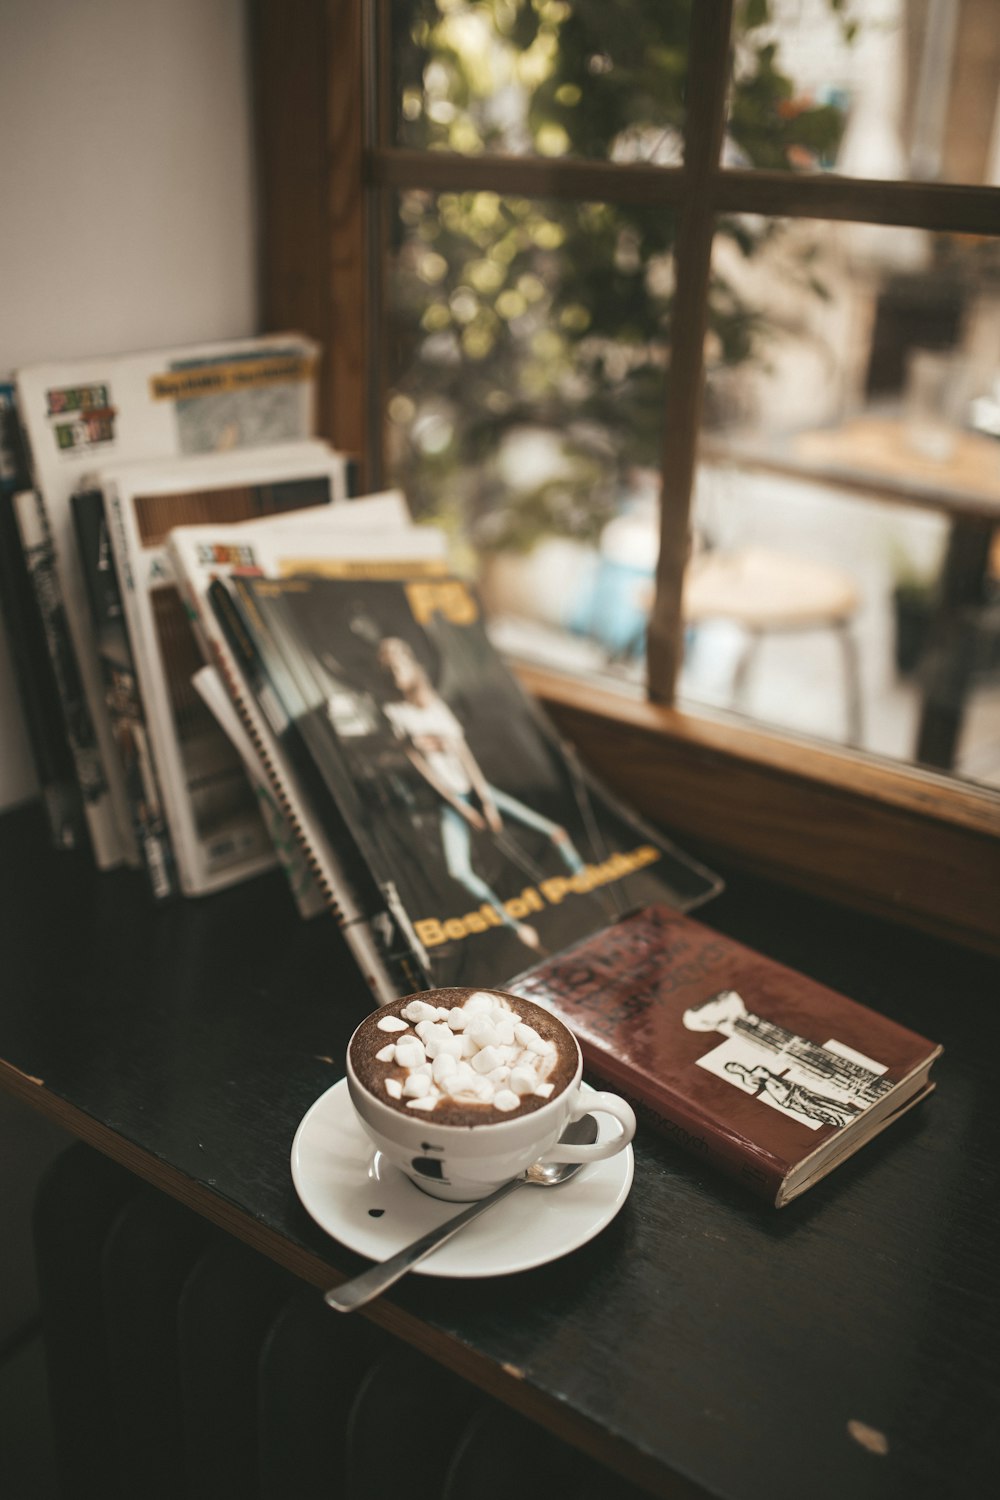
899,89
529,346
845,583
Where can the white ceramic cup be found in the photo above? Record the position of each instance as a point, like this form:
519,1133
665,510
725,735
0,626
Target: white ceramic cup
464,1162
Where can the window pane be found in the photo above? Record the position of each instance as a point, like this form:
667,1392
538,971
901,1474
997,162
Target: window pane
849,488
541,77
528,348
905,89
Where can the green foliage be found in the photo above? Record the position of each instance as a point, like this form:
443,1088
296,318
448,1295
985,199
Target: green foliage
512,313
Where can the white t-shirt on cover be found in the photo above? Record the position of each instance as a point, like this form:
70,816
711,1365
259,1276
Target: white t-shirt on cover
433,721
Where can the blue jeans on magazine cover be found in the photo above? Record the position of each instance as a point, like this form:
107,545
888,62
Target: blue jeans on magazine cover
457,843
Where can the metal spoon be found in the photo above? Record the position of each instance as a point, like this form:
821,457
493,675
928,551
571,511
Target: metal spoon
371,1283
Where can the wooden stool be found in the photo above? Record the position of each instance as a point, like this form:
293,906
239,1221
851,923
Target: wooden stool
765,592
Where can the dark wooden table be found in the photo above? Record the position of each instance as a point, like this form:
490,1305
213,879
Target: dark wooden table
845,1346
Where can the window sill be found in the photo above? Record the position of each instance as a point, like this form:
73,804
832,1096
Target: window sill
909,845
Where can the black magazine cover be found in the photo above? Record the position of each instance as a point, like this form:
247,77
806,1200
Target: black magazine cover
490,843
29,652
121,692
35,536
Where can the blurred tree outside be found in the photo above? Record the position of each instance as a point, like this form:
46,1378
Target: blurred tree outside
530,339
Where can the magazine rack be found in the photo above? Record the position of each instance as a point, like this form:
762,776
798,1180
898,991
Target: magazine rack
703,1343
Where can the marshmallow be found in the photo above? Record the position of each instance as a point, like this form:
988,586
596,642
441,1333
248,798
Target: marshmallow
417,1084
479,1052
505,1031
419,1010
462,1081
444,1065
523,1080
440,1046
482,1031
410,1052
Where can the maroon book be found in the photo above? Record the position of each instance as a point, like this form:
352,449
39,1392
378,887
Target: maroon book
760,1070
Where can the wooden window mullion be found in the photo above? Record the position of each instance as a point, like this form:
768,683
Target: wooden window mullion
707,96
378,207
947,207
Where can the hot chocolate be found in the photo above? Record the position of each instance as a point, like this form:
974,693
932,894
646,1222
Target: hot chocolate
464,1057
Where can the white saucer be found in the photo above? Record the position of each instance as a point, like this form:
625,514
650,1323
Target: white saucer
341,1179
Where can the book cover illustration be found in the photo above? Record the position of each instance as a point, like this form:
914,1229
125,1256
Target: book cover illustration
80,414
815,1083
245,400
488,840
759,1070
212,814
207,399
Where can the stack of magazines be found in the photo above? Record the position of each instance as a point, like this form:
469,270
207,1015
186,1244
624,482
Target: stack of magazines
230,661
245,663
100,457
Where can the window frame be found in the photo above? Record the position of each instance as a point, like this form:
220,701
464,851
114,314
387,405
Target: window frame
894,839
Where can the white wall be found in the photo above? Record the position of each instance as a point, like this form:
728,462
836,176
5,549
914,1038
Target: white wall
127,194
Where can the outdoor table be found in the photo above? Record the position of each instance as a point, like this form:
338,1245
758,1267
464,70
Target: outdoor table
873,456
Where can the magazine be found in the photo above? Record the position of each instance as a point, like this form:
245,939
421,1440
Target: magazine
13,467
71,715
29,656
216,832
489,843
122,696
368,534
160,404
305,892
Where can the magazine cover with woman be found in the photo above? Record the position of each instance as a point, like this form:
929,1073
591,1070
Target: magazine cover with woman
491,845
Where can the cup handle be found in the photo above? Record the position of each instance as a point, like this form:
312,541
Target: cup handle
590,1104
